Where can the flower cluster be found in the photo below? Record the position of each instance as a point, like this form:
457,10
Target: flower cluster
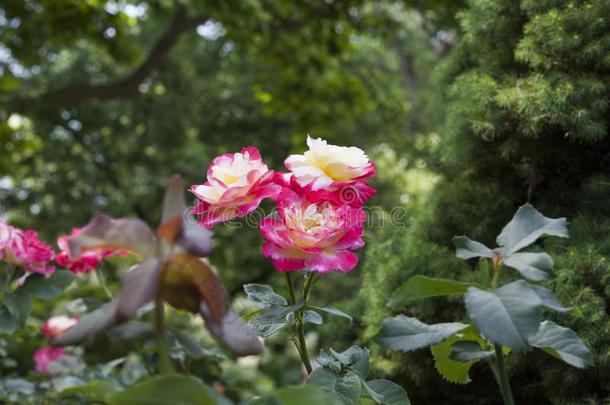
25,249
52,328
319,203
89,259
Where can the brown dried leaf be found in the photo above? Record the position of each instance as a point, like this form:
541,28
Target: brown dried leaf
187,280
178,227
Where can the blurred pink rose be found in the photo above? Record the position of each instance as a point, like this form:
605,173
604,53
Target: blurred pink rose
44,356
39,254
236,184
25,249
57,325
88,261
316,236
8,237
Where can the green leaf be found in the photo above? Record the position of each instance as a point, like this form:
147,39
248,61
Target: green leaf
390,393
263,296
509,315
301,395
406,334
526,227
164,390
312,317
47,288
452,370
14,310
467,248
8,322
549,300
562,343
328,360
19,305
93,391
331,310
533,266
468,350
419,287
268,329
344,388
192,345
273,319
376,397
252,314
358,360
342,358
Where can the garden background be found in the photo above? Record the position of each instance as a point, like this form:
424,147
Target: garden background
468,109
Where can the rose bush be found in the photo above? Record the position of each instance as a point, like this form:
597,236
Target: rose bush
314,229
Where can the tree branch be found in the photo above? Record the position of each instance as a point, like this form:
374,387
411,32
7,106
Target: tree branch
128,87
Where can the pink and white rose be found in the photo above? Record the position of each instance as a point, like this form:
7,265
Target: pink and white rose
39,254
8,237
355,193
331,172
25,249
57,325
236,184
316,236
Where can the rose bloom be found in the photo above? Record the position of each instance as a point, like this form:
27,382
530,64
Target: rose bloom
44,356
332,169
355,193
236,184
57,325
88,261
315,236
25,249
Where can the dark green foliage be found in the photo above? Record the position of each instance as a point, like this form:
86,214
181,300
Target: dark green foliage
583,278
526,92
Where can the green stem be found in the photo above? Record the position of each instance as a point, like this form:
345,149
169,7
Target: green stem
311,278
292,298
102,281
303,344
507,394
494,280
298,316
165,365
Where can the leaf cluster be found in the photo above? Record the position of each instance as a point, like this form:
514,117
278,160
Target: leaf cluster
507,316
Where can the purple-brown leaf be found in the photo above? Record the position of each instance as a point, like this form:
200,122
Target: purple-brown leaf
104,232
